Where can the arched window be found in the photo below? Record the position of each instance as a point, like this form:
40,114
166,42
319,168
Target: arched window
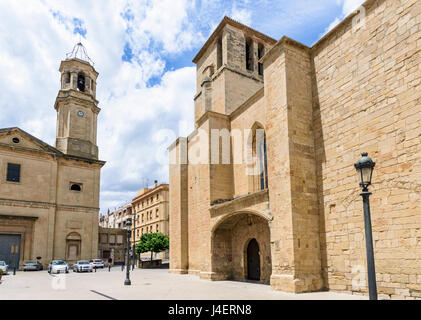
257,167
249,54
76,187
81,82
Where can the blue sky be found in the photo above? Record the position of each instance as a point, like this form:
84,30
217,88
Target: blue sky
142,50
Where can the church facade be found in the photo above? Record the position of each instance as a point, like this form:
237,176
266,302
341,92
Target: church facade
49,196
265,189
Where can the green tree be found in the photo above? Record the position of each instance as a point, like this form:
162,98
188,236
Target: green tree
153,242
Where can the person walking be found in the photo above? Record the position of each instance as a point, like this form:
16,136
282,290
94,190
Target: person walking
110,261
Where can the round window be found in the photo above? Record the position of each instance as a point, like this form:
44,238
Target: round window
15,140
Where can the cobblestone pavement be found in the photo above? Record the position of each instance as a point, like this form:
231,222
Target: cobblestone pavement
146,285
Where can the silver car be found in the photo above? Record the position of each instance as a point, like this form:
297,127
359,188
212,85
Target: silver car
3,267
32,265
97,263
82,266
58,266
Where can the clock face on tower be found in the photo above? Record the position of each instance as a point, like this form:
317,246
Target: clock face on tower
80,113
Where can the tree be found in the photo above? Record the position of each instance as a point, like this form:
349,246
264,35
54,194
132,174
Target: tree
153,242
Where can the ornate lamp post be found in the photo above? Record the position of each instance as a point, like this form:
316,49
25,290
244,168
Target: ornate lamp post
134,239
365,168
127,282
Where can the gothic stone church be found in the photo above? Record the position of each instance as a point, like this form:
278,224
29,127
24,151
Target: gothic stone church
49,196
298,222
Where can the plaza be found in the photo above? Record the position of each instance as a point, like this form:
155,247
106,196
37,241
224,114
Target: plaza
147,284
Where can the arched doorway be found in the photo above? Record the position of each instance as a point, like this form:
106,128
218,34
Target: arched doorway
234,255
73,246
253,260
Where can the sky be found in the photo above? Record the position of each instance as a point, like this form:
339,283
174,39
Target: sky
143,51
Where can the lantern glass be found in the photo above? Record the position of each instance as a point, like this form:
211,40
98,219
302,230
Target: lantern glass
128,225
366,176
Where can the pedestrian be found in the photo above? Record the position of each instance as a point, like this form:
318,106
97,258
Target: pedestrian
110,260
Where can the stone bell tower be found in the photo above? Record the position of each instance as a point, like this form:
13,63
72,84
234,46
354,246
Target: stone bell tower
76,106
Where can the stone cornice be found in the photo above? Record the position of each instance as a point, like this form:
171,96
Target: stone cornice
258,197
39,204
161,187
8,216
235,24
209,114
74,95
280,45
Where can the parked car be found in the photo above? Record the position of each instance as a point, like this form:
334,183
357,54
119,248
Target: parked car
58,266
97,263
82,266
32,265
3,267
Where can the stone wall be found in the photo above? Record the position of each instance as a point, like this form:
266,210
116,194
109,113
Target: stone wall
367,97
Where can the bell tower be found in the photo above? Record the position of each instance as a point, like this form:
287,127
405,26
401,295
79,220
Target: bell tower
76,106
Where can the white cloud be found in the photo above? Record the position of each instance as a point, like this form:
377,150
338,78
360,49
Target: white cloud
241,15
348,7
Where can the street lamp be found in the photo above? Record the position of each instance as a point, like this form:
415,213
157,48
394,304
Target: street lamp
127,282
134,239
364,167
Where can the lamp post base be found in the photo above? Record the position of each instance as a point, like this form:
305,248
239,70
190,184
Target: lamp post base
127,282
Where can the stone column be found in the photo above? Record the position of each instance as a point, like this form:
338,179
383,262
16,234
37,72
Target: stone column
296,262
178,211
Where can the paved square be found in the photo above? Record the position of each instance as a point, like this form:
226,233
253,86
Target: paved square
154,284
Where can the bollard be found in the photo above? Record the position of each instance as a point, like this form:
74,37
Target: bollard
95,269
109,268
14,271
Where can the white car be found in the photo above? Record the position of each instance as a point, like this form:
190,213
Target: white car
97,263
4,267
58,266
82,266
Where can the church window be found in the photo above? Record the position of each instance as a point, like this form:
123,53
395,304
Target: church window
15,140
13,172
81,82
76,187
219,53
249,54
259,178
263,161
260,53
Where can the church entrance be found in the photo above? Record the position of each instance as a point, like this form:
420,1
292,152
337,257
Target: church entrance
241,249
253,260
